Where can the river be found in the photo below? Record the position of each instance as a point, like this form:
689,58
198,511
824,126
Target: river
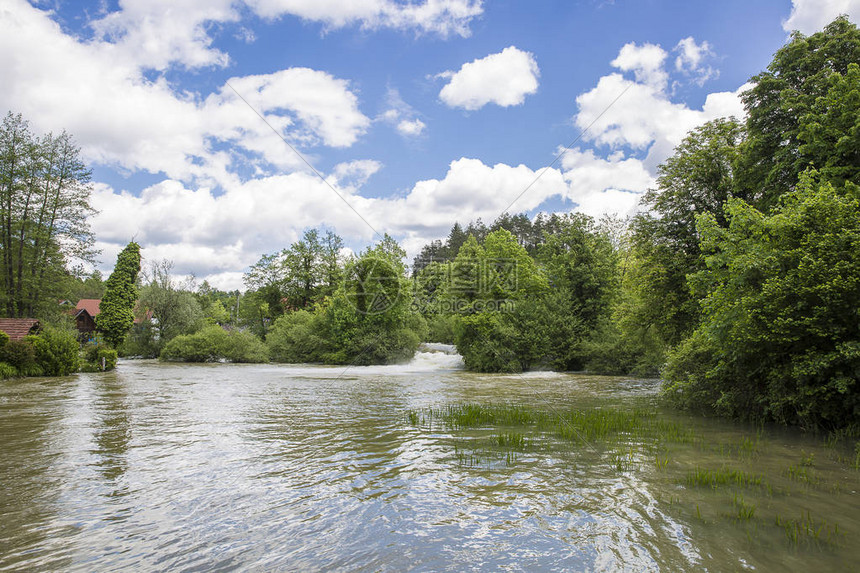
220,467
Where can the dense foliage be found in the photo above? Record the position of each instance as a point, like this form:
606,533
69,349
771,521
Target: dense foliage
367,320
52,352
780,336
213,344
117,306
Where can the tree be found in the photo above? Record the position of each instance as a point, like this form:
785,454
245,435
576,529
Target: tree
173,307
44,205
781,97
780,338
116,314
830,132
698,178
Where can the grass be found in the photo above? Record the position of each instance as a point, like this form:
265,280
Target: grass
809,531
723,477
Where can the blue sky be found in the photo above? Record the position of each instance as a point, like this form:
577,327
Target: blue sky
416,114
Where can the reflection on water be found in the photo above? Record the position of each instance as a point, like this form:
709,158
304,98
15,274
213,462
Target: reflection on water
263,467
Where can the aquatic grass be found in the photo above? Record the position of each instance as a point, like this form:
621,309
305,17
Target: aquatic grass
624,460
809,531
512,440
479,415
723,477
802,473
575,425
412,418
743,510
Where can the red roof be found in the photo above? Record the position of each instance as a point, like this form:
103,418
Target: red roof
91,305
18,328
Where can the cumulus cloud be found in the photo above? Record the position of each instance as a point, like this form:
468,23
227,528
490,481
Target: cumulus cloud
640,129
443,17
122,119
610,185
644,118
810,16
411,127
646,63
504,79
157,33
691,60
211,235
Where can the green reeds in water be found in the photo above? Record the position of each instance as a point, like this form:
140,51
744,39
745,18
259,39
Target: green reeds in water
700,477
809,531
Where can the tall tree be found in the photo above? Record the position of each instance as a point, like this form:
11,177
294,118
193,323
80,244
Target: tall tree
117,307
44,205
697,179
800,73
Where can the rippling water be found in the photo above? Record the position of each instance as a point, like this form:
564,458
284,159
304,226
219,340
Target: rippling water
222,467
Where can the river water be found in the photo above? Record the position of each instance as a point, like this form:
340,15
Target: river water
167,467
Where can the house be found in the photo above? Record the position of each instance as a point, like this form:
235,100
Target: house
18,328
85,314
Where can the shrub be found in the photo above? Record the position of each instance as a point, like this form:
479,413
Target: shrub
7,371
212,344
93,356
21,355
56,351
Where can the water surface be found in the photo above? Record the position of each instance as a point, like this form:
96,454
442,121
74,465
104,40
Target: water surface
266,467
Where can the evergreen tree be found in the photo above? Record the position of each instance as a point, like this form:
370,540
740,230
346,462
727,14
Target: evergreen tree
117,306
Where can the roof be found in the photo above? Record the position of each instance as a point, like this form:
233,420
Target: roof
18,328
91,305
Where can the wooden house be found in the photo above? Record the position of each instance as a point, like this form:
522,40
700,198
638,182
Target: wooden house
85,314
18,328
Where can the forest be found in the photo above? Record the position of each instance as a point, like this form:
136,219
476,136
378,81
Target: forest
737,281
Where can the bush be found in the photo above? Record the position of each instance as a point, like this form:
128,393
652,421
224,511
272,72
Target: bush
93,356
56,351
213,344
21,355
441,328
7,371
334,333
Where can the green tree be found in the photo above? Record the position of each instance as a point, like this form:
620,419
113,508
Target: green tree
697,178
830,132
44,206
780,339
781,98
173,308
116,314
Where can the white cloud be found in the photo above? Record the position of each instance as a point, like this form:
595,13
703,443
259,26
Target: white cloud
641,128
157,33
645,118
443,17
646,63
691,60
210,236
119,118
354,174
504,79
810,16
401,115
411,127
609,185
